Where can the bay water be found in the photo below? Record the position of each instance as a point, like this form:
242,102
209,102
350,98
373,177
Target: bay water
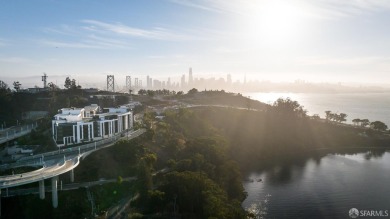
330,186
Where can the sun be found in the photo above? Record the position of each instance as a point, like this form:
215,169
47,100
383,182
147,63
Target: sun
274,21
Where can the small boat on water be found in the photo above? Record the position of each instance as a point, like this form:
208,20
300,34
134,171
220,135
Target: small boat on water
259,180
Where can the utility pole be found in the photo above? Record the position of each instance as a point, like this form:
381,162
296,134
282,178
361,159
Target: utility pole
44,79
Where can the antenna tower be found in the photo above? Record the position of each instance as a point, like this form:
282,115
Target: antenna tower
44,77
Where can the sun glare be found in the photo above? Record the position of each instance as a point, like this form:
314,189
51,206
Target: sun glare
274,22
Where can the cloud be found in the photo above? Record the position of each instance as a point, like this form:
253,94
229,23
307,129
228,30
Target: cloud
156,33
343,61
14,60
203,5
94,34
327,9
78,45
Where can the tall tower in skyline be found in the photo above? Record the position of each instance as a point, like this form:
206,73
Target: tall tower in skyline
128,83
44,79
190,79
110,83
148,82
183,81
136,83
229,79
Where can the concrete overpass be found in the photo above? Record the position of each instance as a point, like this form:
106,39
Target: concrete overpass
55,163
15,132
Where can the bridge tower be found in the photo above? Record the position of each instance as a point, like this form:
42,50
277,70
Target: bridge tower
128,83
110,83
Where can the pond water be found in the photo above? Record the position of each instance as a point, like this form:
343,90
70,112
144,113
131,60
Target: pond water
326,187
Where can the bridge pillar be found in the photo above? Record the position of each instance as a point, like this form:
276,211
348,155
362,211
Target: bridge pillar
72,175
0,202
54,192
42,189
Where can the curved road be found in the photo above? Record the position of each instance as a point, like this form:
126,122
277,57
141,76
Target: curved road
57,162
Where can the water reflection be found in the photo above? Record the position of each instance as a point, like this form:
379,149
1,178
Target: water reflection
326,185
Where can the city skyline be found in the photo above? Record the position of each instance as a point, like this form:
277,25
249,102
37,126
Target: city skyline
316,41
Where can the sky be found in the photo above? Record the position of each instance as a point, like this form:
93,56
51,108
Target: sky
276,40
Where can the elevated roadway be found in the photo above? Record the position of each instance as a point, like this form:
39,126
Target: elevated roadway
55,163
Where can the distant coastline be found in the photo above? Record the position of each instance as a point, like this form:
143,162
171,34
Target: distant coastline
372,106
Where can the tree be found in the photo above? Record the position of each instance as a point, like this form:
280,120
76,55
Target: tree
150,93
378,125
316,117
3,85
328,114
52,86
192,91
73,84
342,117
17,86
356,121
142,92
4,89
288,107
68,83
364,122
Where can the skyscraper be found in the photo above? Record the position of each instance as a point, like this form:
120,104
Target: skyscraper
183,81
190,79
148,85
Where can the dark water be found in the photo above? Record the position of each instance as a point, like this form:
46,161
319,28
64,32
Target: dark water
324,188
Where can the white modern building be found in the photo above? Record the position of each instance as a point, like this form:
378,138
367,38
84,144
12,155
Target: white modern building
91,123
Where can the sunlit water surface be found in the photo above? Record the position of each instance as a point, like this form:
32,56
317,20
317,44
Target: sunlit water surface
372,106
325,188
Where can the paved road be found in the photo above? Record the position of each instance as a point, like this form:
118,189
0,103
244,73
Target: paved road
65,187
57,162
14,132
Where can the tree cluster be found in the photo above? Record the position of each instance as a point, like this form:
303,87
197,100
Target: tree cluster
163,92
204,182
335,117
71,84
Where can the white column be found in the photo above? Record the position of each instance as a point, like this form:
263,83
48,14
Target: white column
72,175
119,124
54,192
42,189
74,133
89,132
52,128
78,133
82,131
103,128
112,127
93,130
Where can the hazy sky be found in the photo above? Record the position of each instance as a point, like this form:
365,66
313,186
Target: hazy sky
278,40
